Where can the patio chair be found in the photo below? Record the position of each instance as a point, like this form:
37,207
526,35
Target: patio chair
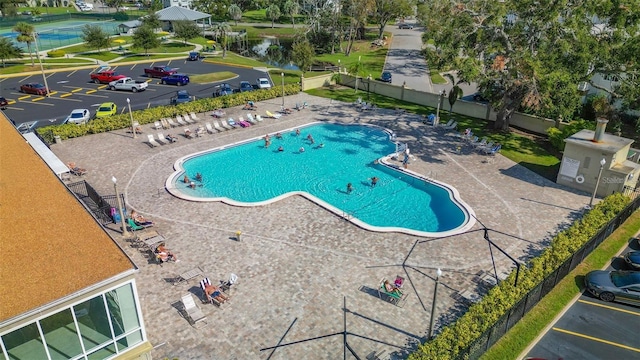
152,141
232,123
218,113
194,117
259,118
226,285
75,170
209,128
394,296
218,127
486,146
243,122
188,119
251,119
273,116
451,127
188,134
133,226
180,121
481,143
193,313
493,150
188,275
203,285
172,123
157,125
165,123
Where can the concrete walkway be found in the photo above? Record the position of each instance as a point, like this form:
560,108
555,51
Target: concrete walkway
297,261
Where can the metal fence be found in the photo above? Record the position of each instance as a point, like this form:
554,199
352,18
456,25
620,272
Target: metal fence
513,315
9,22
99,206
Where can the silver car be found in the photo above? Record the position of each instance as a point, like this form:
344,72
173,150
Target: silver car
78,116
621,286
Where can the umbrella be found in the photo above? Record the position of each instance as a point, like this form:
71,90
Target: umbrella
210,42
120,41
163,33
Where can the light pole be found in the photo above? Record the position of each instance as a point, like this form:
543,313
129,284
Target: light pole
357,71
44,77
133,128
368,86
595,190
433,305
442,94
125,232
282,75
339,66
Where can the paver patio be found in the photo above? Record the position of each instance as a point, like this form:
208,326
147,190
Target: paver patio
297,261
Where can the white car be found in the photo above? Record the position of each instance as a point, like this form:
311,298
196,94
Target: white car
78,116
86,7
263,83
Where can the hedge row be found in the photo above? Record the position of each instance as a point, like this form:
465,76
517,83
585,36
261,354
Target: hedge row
147,116
457,337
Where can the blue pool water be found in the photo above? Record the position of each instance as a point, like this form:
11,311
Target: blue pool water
251,173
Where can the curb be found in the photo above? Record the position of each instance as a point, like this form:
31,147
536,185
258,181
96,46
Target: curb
227,64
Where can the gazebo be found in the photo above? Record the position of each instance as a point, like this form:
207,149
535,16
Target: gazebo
129,26
177,13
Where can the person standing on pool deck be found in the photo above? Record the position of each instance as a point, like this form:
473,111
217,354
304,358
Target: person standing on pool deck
349,188
374,181
405,162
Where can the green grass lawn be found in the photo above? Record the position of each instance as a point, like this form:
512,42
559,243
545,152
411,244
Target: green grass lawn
147,58
524,150
536,319
212,77
232,58
256,32
45,10
436,78
260,16
372,59
169,48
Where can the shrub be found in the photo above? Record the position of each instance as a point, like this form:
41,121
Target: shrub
147,116
56,53
457,337
557,136
120,16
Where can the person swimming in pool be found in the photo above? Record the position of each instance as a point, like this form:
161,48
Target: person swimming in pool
297,132
198,177
278,136
349,188
186,179
280,149
301,149
310,138
374,181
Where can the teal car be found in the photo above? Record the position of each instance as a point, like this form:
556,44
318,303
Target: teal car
106,109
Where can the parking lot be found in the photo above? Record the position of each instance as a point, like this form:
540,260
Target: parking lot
594,329
73,90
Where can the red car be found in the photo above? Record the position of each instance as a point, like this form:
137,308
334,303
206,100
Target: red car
34,89
106,77
3,103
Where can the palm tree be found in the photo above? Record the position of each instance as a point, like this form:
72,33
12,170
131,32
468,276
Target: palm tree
292,8
273,13
221,30
235,12
25,35
455,93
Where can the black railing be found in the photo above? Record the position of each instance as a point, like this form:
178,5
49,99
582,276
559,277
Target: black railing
513,315
99,206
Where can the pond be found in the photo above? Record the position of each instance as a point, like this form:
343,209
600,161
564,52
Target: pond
273,51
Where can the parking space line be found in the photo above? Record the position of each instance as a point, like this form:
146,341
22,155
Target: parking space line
38,98
34,102
23,79
15,108
24,97
3,79
65,95
610,307
64,98
10,102
71,73
134,65
91,91
76,90
596,339
102,87
53,92
50,75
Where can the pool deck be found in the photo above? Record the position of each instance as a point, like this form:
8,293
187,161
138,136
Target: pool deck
296,261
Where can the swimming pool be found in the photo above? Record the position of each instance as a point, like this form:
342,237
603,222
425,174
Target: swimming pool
248,174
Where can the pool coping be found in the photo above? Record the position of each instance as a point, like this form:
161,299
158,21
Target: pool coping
454,195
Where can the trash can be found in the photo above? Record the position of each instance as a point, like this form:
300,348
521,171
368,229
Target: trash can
57,139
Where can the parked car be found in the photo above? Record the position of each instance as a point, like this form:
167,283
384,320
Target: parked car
194,56
632,259
479,98
263,83
622,286
223,89
105,77
386,76
182,96
159,71
128,84
405,26
34,89
78,116
175,79
106,109
3,103
245,86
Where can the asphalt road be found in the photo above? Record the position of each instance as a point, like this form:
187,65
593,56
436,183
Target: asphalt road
593,329
73,90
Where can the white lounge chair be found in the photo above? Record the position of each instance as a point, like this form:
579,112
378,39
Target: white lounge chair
209,128
152,141
157,125
172,123
161,140
194,117
259,118
447,124
180,121
187,118
218,127
251,119
192,312
188,134
165,123
225,125
450,127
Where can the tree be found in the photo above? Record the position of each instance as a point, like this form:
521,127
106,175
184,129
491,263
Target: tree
273,13
25,35
292,8
516,46
185,30
95,37
8,50
221,30
302,53
217,9
357,11
235,12
151,20
386,10
145,38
